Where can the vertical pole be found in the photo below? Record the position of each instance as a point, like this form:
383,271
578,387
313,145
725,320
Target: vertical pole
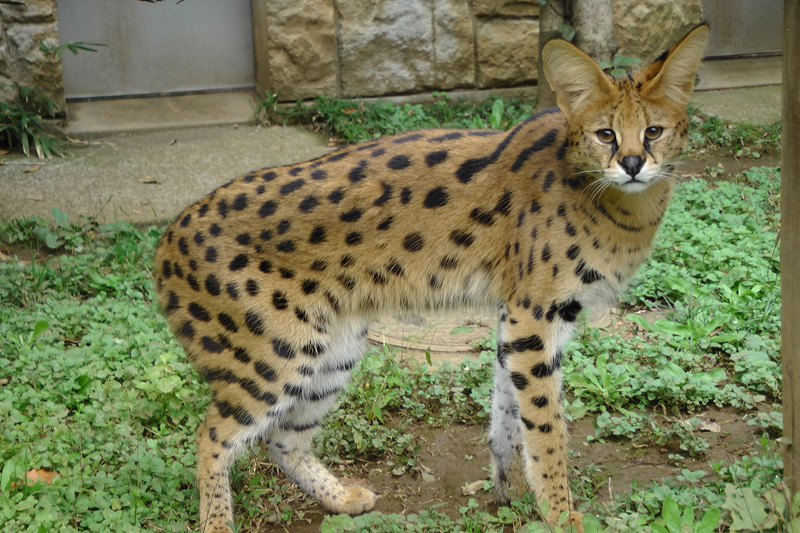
790,244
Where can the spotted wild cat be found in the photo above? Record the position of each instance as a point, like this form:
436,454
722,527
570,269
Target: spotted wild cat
271,281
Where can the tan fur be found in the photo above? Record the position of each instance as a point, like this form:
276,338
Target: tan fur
270,282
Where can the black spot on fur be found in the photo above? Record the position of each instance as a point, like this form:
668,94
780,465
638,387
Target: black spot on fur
283,226
318,235
210,345
546,253
547,140
222,208
238,262
539,401
267,208
504,204
309,203
212,285
358,172
240,202
399,162
436,197
413,242
482,216
353,238
527,423
186,330
199,312
292,186
448,263
351,216
283,349
252,288
265,266
542,370
569,310
587,275
254,322
573,251
319,175
434,158
285,246
533,342
393,267
387,194
279,300
336,196
232,289
309,285
227,322
462,238
519,380
405,195
264,370
385,224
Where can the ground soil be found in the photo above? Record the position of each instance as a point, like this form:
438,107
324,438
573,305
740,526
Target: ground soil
456,456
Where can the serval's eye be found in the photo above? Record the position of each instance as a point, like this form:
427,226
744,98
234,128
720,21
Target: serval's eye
653,132
606,136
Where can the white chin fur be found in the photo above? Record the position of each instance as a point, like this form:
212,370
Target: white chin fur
624,183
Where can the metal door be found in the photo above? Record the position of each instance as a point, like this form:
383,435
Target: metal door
744,27
154,48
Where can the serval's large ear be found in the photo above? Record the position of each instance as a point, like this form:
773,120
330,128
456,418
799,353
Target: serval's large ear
675,80
574,77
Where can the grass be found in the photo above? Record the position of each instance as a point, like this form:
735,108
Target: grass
94,388
357,121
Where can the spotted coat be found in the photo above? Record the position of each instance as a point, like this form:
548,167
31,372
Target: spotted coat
271,281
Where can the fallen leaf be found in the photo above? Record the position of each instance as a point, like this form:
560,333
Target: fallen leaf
3,152
34,168
174,142
147,179
428,478
349,110
136,212
78,141
3,382
473,487
35,197
712,427
44,475
3,256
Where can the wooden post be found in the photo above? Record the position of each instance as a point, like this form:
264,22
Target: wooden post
790,244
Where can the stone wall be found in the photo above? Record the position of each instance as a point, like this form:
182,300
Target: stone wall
348,48
383,47
23,25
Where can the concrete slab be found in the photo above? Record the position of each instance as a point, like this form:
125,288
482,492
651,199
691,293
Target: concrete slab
754,105
146,114
146,178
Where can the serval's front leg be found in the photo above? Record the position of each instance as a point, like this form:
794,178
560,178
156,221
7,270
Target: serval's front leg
530,356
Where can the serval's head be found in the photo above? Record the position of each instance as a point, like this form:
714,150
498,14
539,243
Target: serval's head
625,131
